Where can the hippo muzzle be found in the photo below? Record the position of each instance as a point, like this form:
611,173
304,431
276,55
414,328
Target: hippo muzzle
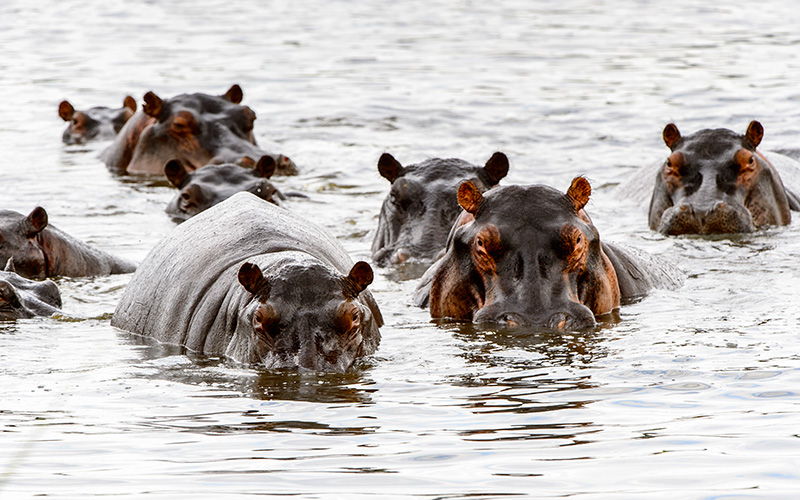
722,217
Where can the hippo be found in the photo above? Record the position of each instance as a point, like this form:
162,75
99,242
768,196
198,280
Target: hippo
96,123
716,182
35,250
197,129
421,206
255,283
205,187
530,255
21,298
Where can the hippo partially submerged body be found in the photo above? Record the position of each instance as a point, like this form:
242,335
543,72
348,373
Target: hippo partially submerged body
36,250
530,255
421,206
196,129
207,186
248,280
715,181
95,123
22,298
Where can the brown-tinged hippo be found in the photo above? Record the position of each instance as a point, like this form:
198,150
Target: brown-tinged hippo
251,281
715,181
22,298
96,123
196,129
36,250
421,207
205,187
530,255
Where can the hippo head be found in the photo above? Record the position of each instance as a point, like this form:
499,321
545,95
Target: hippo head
196,129
421,207
23,298
20,248
715,181
205,187
94,123
305,316
525,255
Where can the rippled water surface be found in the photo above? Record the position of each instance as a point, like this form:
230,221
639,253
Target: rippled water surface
690,393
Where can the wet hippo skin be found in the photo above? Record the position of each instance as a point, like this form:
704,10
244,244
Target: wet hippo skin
530,255
251,281
23,298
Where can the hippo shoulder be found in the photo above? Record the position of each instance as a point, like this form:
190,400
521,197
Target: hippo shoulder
789,171
638,272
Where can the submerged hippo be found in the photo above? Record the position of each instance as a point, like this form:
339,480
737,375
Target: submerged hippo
23,298
421,206
530,255
98,122
248,280
196,129
715,181
35,250
205,187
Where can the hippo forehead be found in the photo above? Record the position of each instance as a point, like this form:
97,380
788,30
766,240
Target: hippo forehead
520,207
307,283
440,169
711,144
224,174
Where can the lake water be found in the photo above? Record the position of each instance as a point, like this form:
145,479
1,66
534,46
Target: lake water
687,394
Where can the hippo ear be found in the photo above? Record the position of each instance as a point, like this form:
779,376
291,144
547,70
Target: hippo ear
176,173
671,135
10,268
65,111
360,276
755,132
234,94
497,167
266,166
153,105
469,197
252,280
579,192
389,168
130,103
35,222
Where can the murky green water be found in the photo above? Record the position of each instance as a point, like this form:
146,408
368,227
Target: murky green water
687,394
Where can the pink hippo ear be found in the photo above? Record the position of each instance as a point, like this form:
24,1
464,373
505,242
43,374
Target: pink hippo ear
389,168
469,197
175,172
253,281
496,167
579,192
266,166
234,94
360,276
671,135
65,111
153,105
35,222
755,132
130,103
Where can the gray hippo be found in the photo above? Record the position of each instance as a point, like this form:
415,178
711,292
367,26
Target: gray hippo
715,181
36,250
205,187
421,207
251,281
530,255
96,123
196,129
22,298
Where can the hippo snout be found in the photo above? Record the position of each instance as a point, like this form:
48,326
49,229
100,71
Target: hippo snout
720,217
574,316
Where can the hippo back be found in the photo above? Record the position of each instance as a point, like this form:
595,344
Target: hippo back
203,256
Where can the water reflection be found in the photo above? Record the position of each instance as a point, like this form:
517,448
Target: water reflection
228,379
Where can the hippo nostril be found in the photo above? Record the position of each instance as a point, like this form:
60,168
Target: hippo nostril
401,256
684,208
558,321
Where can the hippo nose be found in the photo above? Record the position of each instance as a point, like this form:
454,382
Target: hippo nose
566,321
400,255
